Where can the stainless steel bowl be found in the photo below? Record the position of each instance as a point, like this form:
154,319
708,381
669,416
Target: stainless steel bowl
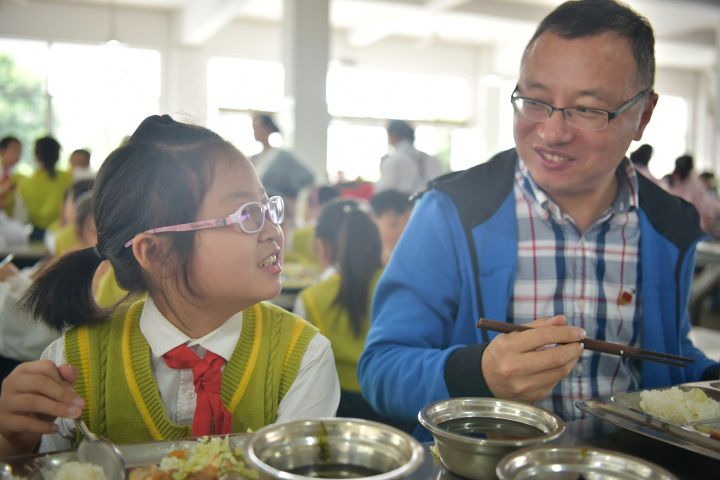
476,457
571,463
333,448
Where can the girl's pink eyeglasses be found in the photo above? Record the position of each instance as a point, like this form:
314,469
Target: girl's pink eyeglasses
250,217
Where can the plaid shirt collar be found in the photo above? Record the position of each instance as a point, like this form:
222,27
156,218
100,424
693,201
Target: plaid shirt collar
627,198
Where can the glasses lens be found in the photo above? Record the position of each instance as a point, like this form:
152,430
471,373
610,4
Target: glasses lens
252,217
276,210
531,110
587,118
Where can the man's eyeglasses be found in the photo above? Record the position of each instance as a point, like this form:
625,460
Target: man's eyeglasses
593,119
250,217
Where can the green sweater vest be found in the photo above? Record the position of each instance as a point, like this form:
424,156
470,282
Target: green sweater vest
122,398
334,322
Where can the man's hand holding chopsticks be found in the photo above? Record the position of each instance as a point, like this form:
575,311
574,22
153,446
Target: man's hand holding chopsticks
516,366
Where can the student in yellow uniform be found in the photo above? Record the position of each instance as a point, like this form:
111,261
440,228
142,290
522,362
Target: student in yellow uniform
181,215
339,305
43,192
61,236
302,247
10,154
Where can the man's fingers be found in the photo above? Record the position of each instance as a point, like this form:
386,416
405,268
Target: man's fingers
539,385
555,357
531,340
555,321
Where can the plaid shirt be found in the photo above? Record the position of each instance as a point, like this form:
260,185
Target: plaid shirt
592,278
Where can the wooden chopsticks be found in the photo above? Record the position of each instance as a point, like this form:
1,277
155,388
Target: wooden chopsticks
597,345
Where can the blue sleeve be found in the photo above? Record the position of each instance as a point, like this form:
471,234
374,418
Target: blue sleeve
416,303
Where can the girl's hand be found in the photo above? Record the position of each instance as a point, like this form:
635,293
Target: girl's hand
33,396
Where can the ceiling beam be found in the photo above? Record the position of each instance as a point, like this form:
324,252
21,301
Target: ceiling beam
375,29
201,19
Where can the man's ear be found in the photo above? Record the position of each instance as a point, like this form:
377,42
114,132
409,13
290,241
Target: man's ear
645,116
150,251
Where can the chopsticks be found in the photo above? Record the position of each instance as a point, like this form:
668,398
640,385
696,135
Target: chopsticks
597,345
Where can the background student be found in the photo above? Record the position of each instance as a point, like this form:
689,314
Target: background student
339,305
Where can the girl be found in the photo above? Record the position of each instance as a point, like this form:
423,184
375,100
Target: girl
40,196
349,247
181,215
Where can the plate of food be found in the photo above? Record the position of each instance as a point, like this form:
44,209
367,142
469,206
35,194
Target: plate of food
206,458
687,415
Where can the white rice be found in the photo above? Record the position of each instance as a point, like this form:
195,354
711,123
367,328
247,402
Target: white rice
678,406
79,471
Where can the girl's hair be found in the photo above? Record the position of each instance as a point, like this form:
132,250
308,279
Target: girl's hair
159,177
47,151
354,242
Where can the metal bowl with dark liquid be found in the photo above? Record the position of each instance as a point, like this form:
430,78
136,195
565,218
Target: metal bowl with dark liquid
575,463
473,434
338,448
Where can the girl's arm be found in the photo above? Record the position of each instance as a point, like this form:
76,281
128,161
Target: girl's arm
33,396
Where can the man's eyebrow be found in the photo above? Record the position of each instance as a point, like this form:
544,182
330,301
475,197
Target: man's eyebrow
591,92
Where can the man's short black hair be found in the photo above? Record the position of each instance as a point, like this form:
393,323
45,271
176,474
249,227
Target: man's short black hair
585,18
401,130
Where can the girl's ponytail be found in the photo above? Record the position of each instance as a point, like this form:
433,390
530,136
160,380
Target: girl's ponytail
62,295
354,240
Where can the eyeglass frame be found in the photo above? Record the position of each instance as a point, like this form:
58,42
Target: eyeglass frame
232,219
610,115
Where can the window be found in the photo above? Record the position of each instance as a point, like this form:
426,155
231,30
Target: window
236,87
667,133
94,95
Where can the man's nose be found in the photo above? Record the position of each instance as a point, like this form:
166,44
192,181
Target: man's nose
555,129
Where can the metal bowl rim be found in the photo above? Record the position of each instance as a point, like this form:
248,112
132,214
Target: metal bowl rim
412,464
502,467
464,439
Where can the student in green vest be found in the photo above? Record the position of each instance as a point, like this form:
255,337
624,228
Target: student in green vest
39,197
181,216
349,247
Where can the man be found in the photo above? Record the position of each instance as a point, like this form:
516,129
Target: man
406,169
559,233
80,165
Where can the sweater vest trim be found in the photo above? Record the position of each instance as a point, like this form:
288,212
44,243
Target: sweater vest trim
252,317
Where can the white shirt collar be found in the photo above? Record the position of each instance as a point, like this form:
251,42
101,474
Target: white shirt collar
163,336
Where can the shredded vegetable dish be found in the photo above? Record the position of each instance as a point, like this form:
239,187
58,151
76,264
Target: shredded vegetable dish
210,459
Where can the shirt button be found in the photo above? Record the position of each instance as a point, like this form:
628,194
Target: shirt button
579,369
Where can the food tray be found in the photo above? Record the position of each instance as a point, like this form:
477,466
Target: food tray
624,411
136,455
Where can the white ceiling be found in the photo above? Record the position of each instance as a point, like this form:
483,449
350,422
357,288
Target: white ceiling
687,30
